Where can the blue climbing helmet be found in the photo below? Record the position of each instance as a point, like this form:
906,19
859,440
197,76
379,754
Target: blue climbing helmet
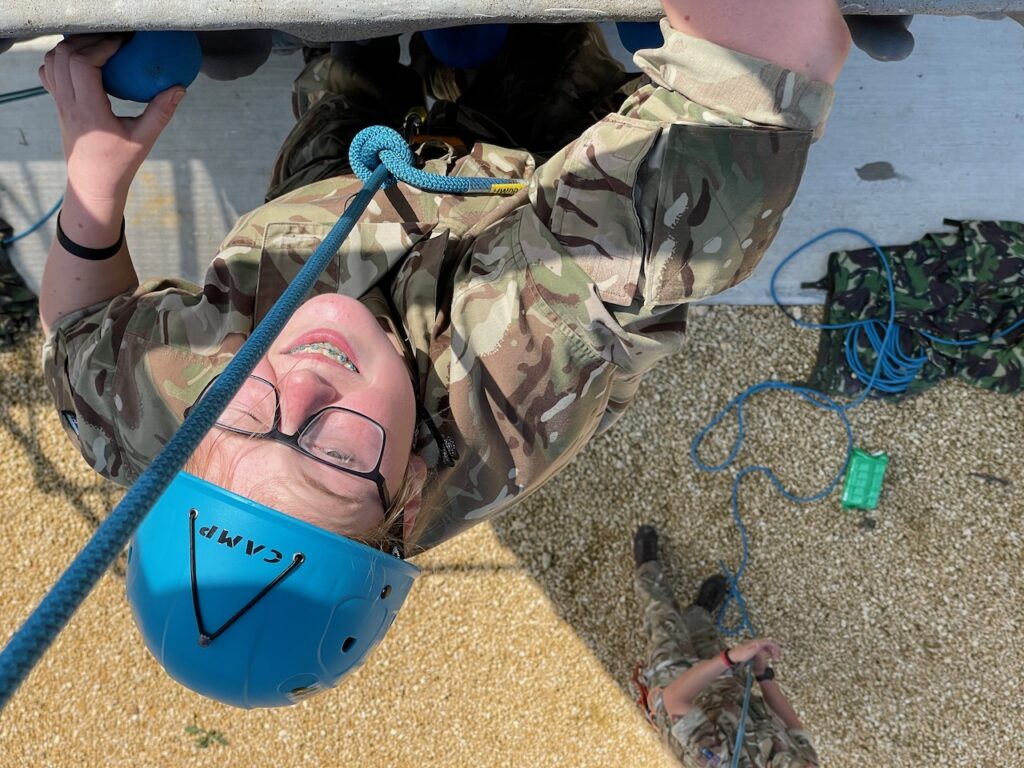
253,607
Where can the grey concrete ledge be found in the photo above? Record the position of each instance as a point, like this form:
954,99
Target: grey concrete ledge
336,20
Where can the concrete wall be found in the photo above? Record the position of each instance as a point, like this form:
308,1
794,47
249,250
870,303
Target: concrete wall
326,20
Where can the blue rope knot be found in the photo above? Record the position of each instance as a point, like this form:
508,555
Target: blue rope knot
379,145
375,146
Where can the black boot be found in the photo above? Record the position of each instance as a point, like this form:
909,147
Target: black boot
645,545
711,594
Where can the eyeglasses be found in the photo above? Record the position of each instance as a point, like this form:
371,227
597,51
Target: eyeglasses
337,437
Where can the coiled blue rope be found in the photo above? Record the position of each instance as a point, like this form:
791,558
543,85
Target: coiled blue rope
890,363
893,371
32,639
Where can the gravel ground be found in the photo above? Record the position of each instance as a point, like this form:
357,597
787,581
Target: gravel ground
901,633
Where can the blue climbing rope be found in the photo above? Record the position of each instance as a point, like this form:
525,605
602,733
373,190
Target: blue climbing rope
893,371
816,399
45,217
32,639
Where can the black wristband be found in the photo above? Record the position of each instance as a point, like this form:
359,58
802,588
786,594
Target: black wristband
90,254
768,674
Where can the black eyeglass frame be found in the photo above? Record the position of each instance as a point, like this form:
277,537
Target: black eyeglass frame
292,441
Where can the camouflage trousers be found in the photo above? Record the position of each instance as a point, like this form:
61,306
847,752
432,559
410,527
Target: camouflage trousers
676,640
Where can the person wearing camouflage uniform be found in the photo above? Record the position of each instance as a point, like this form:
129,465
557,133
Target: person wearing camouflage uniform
699,724
528,321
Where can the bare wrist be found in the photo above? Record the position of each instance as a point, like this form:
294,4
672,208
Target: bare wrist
97,181
94,222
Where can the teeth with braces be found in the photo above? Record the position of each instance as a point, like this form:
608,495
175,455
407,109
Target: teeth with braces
329,351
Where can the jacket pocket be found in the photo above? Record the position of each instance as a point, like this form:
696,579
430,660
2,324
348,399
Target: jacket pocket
722,195
595,217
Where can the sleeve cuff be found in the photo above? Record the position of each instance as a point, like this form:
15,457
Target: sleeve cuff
737,84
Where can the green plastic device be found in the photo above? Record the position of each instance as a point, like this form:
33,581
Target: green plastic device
864,477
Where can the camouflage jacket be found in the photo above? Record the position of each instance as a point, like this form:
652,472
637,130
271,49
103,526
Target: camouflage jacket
960,285
529,320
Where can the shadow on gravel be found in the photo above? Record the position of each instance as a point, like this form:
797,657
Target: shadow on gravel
85,498
584,563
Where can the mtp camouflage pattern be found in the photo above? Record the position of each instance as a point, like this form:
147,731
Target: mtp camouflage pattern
529,320
704,737
960,285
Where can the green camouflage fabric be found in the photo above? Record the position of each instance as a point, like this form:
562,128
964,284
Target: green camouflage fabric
19,307
529,320
704,737
958,285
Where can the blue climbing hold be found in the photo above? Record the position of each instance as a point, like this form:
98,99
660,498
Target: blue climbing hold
150,63
467,47
637,35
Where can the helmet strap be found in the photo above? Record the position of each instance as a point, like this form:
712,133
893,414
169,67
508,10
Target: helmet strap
447,452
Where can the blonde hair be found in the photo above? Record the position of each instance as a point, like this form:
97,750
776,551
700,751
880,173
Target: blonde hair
201,464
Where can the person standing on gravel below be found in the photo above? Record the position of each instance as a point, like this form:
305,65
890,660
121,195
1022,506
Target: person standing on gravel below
694,688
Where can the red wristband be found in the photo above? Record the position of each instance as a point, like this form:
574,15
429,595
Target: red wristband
729,662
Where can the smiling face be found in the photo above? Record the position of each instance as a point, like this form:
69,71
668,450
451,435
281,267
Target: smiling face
331,353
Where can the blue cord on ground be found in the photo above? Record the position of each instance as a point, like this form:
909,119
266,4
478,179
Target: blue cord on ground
15,238
24,93
893,371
